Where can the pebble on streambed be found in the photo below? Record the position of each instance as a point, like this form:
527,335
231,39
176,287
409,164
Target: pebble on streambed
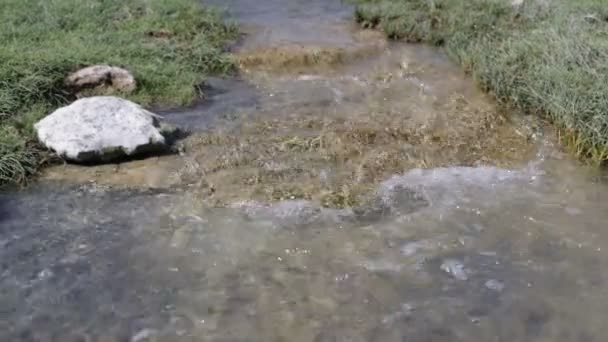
454,268
495,285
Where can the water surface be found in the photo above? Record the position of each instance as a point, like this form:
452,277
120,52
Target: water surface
478,243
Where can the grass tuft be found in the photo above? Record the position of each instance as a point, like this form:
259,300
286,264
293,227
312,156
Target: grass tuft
17,160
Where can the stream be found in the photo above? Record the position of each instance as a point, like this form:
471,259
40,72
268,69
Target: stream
340,188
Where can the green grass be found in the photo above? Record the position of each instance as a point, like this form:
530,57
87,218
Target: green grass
547,57
44,40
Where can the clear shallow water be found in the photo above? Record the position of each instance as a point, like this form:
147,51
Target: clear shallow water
279,22
491,255
223,98
445,254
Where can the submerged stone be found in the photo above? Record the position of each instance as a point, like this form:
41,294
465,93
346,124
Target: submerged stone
495,285
413,247
289,213
145,335
455,268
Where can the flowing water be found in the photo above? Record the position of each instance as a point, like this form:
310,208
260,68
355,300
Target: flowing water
340,189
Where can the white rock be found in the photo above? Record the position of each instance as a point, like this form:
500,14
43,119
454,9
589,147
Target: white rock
101,128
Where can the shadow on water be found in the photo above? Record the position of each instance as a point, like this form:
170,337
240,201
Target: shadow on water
5,212
223,100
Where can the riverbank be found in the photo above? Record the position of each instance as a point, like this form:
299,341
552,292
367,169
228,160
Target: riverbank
169,46
538,57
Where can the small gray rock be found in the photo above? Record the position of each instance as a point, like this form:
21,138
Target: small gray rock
454,268
145,335
413,247
102,77
495,285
